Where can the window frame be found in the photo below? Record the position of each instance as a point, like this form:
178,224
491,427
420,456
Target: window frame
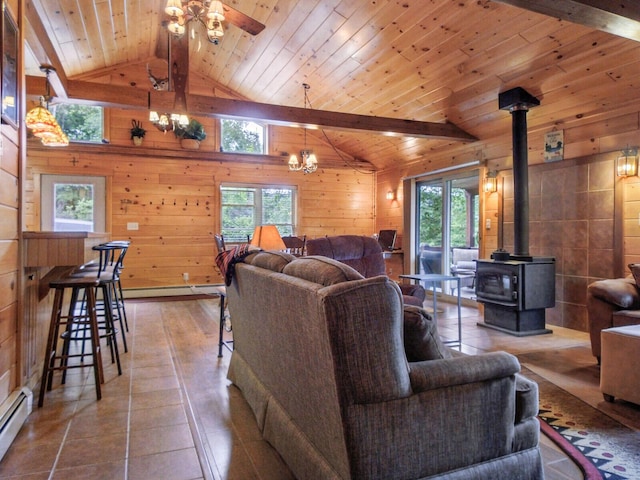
257,206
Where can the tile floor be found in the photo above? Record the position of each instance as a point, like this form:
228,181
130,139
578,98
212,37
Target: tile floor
172,415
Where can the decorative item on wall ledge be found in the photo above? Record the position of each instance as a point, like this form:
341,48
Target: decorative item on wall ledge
309,162
41,121
137,132
627,163
190,135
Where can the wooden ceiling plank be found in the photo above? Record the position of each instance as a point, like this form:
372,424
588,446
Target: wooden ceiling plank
277,47
619,18
300,67
276,19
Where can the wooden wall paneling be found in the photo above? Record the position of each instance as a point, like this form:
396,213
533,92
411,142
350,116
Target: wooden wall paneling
172,239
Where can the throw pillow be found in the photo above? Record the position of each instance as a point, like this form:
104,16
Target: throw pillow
635,271
421,339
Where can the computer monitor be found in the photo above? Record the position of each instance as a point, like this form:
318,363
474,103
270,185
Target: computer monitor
387,240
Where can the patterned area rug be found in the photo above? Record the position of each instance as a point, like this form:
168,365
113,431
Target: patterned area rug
612,448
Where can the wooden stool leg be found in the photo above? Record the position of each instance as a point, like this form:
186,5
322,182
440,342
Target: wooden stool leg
95,341
47,372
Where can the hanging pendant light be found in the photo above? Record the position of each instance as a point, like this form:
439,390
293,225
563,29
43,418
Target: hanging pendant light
41,121
309,162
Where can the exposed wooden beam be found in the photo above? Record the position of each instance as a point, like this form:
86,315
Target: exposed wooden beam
621,17
38,39
131,97
315,119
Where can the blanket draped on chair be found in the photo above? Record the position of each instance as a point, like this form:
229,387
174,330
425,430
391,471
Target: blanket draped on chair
227,260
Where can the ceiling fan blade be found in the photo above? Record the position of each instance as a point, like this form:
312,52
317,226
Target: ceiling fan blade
241,20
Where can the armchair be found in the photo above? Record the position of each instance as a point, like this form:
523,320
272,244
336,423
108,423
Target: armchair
611,303
364,254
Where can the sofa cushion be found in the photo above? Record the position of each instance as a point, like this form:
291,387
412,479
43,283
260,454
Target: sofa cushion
617,291
421,339
322,270
270,260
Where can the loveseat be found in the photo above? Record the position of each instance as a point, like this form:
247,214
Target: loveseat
613,302
365,255
319,355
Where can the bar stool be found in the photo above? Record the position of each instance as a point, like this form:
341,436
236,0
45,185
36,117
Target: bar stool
108,272
87,320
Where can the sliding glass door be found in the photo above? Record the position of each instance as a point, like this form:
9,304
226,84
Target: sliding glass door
447,226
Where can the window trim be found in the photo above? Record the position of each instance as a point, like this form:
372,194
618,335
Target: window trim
48,180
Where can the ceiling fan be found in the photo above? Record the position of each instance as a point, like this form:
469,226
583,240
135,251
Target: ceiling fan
211,14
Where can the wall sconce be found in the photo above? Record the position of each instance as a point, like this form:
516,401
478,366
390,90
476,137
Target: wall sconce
490,183
391,195
627,163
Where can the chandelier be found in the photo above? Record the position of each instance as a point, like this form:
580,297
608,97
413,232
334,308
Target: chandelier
309,162
41,121
208,13
166,122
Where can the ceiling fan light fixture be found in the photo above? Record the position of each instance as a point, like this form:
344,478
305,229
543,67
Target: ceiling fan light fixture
215,33
174,8
215,11
176,28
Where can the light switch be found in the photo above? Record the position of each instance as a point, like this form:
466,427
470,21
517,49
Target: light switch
487,224
132,225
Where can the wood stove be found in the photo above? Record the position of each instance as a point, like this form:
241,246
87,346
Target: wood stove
516,288
515,293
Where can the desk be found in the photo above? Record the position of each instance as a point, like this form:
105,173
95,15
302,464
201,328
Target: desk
222,293
433,278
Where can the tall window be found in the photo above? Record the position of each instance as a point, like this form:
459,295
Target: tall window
245,206
242,136
81,123
73,203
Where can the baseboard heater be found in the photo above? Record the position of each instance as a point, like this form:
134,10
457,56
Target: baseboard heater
13,413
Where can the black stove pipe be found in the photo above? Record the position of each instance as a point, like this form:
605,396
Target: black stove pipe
520,182
518,101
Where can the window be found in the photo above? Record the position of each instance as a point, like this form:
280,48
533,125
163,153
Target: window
81,123
242,136
245,206
73,203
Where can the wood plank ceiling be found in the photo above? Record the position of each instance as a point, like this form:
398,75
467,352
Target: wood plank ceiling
429,61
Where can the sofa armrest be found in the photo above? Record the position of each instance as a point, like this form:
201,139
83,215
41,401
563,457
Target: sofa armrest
432,374
621,292
413,290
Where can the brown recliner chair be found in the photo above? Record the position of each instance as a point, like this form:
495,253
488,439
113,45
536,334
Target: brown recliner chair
364,254
611,303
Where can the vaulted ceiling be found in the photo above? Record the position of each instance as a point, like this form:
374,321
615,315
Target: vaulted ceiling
439,63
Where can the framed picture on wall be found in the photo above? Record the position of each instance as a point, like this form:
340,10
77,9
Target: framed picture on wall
9,69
